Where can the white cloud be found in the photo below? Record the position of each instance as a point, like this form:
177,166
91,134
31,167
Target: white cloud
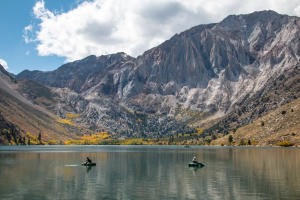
28,31
133,26
3,63
40,11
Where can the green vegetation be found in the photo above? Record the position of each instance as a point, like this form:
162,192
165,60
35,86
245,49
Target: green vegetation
11,136
230,139
33,140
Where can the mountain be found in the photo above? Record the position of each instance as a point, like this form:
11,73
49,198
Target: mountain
204,73
22,118
276,93
79,75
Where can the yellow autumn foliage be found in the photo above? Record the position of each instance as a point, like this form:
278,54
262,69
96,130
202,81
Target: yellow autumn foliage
199,131
102,138
74,142
33,139
71,115
132,141
68,119
97,138
52,142
65,121
284,144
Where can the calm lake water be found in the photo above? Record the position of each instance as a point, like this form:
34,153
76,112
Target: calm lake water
148,172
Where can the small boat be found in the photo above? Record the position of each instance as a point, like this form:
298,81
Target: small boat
192,164
88,164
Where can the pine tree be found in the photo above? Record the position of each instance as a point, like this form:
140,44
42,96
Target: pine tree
40,137
230,139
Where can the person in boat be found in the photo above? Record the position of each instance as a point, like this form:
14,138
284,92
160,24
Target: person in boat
88,160
194,160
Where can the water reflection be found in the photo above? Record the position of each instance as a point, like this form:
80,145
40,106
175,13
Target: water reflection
150,173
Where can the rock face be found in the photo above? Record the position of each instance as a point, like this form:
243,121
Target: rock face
79,75
275,94
206,68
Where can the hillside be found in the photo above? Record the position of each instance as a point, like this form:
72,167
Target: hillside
23,118
272,129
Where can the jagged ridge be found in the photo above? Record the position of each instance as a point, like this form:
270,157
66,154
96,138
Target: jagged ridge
207,68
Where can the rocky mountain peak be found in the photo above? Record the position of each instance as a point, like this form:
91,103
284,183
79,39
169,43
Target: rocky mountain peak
208,68
243,20
6,75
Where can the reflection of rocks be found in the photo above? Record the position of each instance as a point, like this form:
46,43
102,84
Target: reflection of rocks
152,173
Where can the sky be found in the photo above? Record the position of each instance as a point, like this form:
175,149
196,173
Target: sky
44,34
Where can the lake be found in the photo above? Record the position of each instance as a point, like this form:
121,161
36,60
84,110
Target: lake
149,172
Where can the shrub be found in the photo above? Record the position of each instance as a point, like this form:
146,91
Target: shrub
214,137
242,142
52,142
284,144
230,139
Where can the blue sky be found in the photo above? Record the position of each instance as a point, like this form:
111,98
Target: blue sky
15,15
44,34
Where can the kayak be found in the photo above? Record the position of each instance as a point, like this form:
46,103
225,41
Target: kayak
88,164
196,164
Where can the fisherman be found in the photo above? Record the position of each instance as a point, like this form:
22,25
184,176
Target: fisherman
195,160
88,160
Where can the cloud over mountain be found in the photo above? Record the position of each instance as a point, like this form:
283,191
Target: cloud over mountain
3,63
109,26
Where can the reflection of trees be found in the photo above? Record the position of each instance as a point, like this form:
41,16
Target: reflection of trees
154,173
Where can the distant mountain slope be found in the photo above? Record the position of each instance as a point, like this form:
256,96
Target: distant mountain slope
209,70
275,127
22,117
79,75
37,93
